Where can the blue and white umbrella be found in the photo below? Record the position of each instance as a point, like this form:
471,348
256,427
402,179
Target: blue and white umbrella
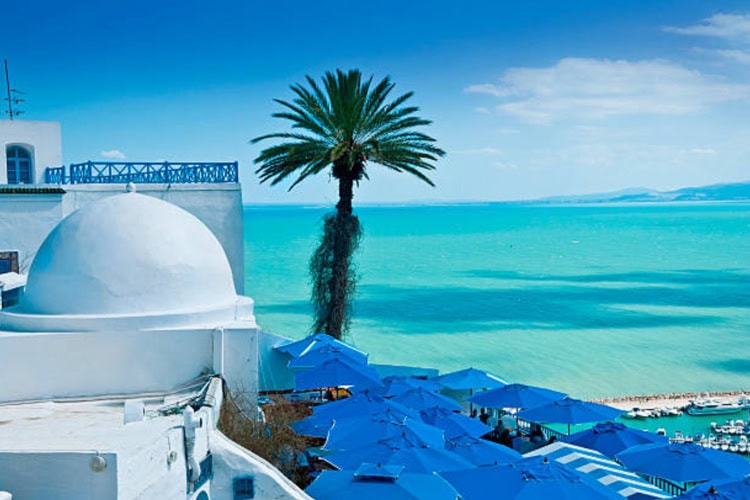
591,463
610,438
337,372
470,379
516,396
684,462
380,482
531,478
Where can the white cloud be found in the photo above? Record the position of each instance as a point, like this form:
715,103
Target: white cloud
114,154
734,55
503,165
735,27
703,151
479,151
593,89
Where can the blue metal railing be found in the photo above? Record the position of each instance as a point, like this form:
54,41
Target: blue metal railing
55,175
94,172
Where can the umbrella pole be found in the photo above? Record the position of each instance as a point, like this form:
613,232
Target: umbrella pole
568,429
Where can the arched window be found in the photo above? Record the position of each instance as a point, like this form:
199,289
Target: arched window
19,165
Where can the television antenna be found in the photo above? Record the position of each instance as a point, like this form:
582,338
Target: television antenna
12,96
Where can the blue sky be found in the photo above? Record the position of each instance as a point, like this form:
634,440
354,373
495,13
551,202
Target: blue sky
529,99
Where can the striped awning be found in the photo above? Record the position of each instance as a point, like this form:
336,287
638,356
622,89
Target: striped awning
595,465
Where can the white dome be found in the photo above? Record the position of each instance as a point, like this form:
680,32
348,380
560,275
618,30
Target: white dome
129,255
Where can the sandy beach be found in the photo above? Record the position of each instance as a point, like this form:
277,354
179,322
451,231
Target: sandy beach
677,399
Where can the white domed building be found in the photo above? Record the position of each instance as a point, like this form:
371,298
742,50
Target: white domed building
130,307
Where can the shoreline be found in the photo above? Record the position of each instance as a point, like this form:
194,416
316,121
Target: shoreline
653,401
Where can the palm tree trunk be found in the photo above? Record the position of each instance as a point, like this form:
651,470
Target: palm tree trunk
346,194
339,286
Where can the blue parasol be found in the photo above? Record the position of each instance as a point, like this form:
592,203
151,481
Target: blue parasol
354,432
380,482
481,452
395,385
455,424
724,489
570,411
421,399
610,438
313,342
337,372
361,404
684,462
531,478
413,454
516,396
316,357
470,379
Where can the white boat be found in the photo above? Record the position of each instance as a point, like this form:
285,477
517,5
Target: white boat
712,407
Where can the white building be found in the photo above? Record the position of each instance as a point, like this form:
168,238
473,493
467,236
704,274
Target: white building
33,202
26,149
129,309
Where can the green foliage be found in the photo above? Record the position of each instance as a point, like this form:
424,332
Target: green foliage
344,122
332,274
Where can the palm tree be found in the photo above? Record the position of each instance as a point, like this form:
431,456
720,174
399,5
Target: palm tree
346,123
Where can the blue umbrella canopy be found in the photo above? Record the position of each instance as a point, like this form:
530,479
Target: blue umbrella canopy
337,372
684,462
412,453
516,396
528,479
395,385
724,489
360,405
481,452
316,357
313,342
380,482
421,399
470,379
454,424
354,432
610,438
570,411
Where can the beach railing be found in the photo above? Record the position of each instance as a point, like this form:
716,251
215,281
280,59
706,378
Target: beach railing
94,172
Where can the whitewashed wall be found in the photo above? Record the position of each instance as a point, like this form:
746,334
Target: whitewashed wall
57,476
71,364
43,139
25,220
272,365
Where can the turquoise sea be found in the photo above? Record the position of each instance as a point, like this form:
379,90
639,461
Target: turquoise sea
590,300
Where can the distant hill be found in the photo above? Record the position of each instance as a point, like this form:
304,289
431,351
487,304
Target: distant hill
739,191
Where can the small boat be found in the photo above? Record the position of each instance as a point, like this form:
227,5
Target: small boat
712,407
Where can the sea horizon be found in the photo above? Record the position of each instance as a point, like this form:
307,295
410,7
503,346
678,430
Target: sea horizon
598,300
